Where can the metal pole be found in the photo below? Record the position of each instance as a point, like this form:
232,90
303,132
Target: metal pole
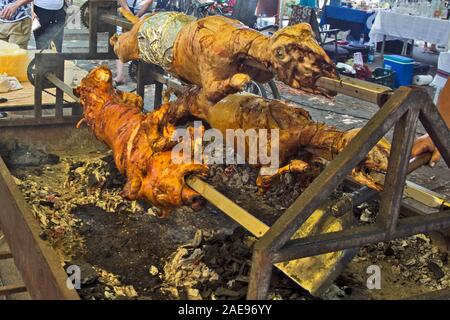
280,13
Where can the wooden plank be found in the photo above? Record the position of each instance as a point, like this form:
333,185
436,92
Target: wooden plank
11,289
25,97
36,260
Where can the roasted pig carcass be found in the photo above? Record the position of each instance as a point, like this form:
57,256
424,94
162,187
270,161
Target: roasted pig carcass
141,143
221,55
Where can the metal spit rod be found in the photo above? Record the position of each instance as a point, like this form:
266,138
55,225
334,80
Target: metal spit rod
62,86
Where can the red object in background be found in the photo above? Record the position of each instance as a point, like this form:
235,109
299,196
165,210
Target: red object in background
226,7
362,71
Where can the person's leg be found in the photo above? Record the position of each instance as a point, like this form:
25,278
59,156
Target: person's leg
4,31
54,34
60,21
40,35
120,74
20,34
120,77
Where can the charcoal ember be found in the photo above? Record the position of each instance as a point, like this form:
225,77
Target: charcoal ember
218,266
436,270
414,259
17,154
114,288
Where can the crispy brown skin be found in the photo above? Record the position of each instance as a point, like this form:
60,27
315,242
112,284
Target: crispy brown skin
210,53
297,131
141,143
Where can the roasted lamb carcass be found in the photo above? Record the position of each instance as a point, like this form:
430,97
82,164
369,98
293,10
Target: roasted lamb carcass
297,133
141,143
211,52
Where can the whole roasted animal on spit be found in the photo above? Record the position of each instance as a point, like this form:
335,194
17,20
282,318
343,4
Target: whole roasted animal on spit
142,143
213,53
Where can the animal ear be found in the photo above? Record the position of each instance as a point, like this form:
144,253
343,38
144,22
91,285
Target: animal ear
299,28
296,31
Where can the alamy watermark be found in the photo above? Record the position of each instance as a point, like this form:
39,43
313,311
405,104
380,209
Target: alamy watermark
253,146
374,280
74,277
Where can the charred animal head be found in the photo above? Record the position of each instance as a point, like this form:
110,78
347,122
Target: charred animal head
298,59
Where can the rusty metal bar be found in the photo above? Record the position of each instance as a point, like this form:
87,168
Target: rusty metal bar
59,103
259,282
38,88
44,121
364,194
325,183
93,28
436,128
357,237
35,259
164,79
85,55
333,174
394,183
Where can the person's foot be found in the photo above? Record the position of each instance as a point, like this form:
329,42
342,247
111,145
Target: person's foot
3,115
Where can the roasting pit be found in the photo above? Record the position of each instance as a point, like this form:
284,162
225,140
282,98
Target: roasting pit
129,253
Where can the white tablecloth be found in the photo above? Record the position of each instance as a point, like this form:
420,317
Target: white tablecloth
442,74
410,27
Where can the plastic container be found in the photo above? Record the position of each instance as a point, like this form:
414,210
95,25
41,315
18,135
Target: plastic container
13,61
422,79
403,67
384,77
